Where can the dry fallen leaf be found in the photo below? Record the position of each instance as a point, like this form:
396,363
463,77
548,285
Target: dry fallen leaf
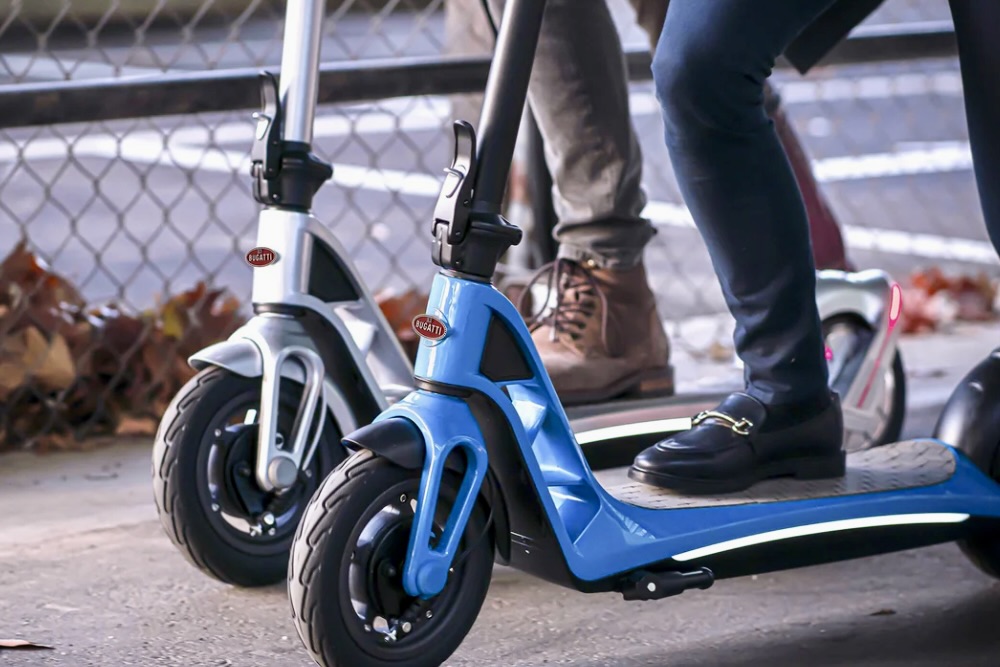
28,355
129,426
173,325
720,352
56,370
21,645
883,612
199,317
933,300
400,310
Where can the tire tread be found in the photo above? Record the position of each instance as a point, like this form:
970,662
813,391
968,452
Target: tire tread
173,484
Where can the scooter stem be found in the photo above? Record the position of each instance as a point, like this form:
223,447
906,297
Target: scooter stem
506,91
470,234
299,85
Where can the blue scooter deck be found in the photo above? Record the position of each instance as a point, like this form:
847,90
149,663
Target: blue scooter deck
901,465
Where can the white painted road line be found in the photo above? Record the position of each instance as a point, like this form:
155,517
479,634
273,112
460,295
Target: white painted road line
33,67
932,158
897,242
946,157
940,84
916,84
661,213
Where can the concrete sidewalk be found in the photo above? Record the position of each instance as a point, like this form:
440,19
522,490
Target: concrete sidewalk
86,568
934,362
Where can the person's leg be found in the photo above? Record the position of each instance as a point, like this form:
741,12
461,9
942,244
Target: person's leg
579,96
710,70
604,337
827,242
977,25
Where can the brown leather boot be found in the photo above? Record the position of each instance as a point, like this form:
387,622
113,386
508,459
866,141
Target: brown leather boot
602,337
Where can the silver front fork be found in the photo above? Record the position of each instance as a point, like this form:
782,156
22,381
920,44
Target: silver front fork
280,467
278,464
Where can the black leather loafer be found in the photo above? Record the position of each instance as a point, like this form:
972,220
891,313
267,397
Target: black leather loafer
731,448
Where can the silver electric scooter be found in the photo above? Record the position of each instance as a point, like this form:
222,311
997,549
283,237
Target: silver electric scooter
246,442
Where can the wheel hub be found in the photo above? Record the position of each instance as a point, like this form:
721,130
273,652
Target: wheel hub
385,571
241,496
389,614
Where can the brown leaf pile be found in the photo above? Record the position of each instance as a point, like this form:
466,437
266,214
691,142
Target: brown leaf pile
400,310
933,300
67,370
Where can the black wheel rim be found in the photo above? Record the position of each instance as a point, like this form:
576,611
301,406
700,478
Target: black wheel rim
381,618
226,453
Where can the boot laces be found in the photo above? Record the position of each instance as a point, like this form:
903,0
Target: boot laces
577,297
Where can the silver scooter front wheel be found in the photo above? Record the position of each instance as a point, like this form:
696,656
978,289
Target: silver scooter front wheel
879,419
207,497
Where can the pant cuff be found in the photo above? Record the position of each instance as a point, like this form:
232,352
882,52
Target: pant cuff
619,259
768,397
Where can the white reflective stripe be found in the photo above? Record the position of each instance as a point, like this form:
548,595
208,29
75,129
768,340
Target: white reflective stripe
818,528
639,428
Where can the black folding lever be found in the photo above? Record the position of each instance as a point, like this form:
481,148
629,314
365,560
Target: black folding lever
265,155
455,201
285,173
467,241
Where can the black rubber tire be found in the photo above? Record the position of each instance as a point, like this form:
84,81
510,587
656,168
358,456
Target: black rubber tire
177,456
321,556
983,549
894,427
897,413
984,552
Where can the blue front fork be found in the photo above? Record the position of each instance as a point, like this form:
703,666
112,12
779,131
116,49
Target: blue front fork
431,554
465,309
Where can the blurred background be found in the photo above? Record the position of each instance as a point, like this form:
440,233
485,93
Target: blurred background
125,239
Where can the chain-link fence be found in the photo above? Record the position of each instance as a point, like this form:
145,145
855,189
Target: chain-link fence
134,214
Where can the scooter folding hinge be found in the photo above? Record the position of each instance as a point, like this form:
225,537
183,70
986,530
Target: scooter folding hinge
454,203
659,585
265,156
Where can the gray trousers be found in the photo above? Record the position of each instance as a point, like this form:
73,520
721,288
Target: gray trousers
579,97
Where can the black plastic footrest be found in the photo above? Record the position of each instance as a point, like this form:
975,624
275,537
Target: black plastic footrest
659,585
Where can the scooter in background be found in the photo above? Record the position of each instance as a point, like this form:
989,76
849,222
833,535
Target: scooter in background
393,558
248,440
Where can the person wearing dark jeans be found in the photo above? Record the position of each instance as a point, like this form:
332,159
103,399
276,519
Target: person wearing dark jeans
710,69
605,336
827,241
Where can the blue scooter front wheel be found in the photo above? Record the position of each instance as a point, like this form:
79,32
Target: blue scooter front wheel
971,422
345,577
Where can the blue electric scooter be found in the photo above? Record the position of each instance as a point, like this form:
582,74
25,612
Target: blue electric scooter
392,560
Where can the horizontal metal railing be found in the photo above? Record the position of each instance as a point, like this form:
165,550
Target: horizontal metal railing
46,103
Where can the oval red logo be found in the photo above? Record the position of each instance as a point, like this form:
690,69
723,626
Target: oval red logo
259,257
430,327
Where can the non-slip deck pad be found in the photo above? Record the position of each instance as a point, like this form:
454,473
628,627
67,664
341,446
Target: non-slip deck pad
902,465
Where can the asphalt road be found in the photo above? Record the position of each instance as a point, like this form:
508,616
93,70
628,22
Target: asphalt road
136,209
85,568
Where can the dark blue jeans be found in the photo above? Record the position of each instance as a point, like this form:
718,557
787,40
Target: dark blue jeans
977,25
710,67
